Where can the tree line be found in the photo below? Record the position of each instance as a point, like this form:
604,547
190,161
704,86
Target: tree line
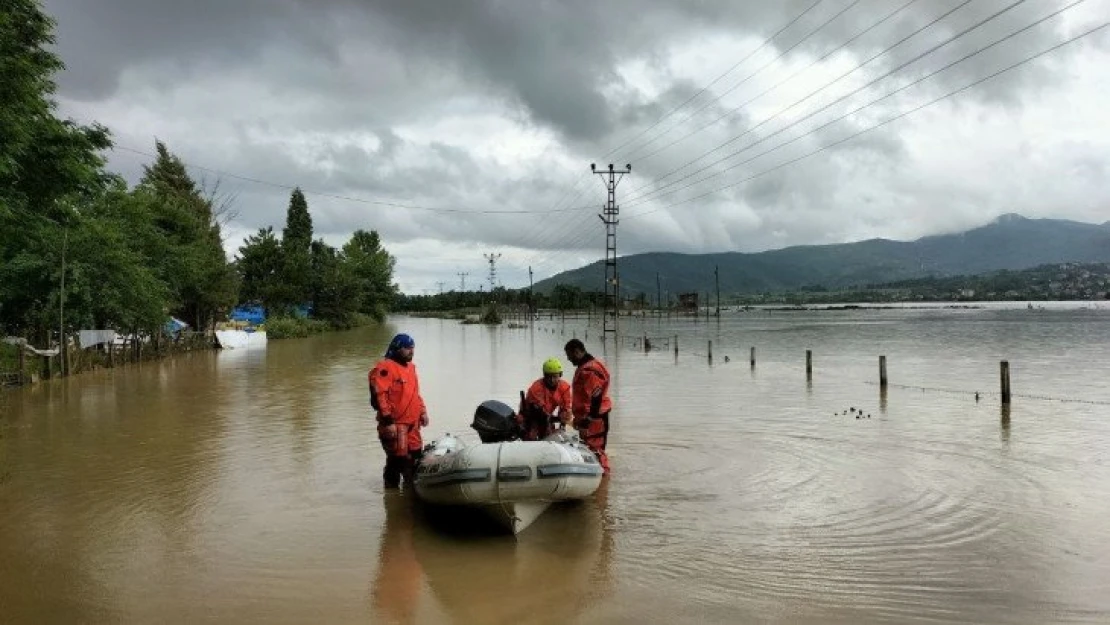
561,297
81,249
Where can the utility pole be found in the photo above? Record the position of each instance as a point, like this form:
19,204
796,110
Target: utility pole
531,305
658,296
462,280
61,308
717,280
492,258
609,218
440,285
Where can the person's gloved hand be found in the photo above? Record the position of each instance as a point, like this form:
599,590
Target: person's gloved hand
424,419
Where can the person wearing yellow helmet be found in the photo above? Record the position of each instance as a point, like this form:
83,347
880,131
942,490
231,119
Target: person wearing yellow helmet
546,404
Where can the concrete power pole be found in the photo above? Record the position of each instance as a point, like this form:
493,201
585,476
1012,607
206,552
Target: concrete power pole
717,280
609,218
658,295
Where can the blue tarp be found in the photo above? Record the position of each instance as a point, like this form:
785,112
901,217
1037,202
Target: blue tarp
175,325
256,315
250,314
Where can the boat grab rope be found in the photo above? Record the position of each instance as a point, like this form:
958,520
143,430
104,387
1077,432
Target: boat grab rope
497,479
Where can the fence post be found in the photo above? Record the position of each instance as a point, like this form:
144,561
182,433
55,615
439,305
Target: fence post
710,351
753,358
809,363
1004,370
676,346
882,371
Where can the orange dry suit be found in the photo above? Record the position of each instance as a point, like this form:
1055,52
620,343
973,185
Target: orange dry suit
539,406
591,405
395,396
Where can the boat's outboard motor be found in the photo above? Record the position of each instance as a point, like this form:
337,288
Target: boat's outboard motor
495,422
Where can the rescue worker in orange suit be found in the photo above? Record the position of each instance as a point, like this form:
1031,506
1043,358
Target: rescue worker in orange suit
395,397
590,401
546,403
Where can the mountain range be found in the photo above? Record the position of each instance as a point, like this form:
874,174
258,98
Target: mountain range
1009,242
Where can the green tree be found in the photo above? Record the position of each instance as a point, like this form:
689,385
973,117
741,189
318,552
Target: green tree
202,282
48,169
296,247
111,281
372,269
334,288
260,269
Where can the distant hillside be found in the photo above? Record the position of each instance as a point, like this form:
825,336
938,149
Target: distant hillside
1010,242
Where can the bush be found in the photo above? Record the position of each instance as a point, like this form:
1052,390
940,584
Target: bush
293,327
298,328
491,316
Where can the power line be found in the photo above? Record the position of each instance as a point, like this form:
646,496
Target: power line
778,84
890,120
558,233
766,42
359,200
641,199
716,80
755,73
639,190
583,219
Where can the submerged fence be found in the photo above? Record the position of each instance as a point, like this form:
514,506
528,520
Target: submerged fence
671,342
20,366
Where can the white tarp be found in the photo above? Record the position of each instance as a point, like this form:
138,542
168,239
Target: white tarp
90,338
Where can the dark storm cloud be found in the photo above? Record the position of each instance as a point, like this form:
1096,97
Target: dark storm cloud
443,104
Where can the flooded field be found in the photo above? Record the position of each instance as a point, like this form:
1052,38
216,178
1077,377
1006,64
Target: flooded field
245,486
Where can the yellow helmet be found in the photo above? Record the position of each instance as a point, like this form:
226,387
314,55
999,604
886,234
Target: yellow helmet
552,365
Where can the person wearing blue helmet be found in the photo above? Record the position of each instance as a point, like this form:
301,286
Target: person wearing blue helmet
399,409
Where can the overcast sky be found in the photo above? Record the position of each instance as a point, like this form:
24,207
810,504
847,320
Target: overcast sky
476,105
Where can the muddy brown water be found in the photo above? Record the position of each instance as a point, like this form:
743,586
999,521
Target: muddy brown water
245,487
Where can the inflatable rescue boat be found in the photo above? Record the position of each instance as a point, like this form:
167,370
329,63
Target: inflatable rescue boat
513,481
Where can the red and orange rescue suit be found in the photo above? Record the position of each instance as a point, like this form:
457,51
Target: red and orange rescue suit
590,387
540,403
395,395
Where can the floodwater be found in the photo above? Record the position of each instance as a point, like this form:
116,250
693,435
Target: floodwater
244,487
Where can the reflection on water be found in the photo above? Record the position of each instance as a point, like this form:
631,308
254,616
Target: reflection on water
245,486
552,573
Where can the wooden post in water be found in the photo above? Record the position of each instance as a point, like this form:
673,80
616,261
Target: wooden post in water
753,358
676,346
710,351
1005,375
882,371
647,345
809,364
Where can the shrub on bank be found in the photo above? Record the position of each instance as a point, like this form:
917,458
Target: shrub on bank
292,327
297,328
